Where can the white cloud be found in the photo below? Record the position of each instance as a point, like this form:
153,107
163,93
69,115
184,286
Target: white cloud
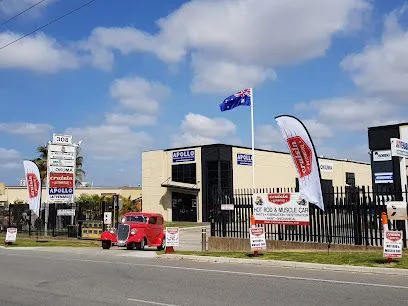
39,53
353,152
130,119
199,130
382,68
352,113
269,137
238,33
10,158
11,7
318,130
110,142
226,76
32,131
138,94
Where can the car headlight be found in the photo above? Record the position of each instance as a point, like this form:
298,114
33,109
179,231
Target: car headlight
133,231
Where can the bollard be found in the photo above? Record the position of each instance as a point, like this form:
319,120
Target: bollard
203,239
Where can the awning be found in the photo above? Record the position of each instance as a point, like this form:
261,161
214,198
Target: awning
181,187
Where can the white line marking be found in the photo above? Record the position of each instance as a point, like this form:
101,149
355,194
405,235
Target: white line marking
149,302
330,281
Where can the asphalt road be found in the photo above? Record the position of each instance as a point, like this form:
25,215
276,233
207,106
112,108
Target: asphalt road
115,277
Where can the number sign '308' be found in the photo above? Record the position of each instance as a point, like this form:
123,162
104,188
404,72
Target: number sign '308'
62,139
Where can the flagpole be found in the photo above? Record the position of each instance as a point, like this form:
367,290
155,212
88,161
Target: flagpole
252,136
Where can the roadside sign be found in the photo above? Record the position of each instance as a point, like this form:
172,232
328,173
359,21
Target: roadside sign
61,162
257,238
107,218
397,210
280,208
61,148
11,235
227,206
399,148
392,244
66,212
172,236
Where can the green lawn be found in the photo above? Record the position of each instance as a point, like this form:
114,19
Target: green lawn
369,259
44,242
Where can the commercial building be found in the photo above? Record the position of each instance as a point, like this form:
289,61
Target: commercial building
12,194
389,173
178,182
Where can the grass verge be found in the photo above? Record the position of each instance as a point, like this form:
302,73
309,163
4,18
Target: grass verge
368,259
43,242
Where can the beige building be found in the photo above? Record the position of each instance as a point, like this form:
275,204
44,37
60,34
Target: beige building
179,182
10,194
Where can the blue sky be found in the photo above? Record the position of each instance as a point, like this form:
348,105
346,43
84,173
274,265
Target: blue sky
129,76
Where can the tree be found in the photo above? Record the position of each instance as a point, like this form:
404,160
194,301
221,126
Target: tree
129,205
41,162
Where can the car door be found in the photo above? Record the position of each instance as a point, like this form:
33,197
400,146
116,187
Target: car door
152,229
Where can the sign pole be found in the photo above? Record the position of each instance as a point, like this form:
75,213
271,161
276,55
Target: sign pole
252,139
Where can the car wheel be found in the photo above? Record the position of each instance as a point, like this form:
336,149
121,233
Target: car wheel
130,246
163,245
106,244
140,245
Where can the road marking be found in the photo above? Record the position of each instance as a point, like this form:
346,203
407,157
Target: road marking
331,281
152,303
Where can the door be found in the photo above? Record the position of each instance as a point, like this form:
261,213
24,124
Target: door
184,207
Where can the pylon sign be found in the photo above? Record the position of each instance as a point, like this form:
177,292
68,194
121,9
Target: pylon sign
61,162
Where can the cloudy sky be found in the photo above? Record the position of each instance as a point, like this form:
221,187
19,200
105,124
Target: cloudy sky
128,76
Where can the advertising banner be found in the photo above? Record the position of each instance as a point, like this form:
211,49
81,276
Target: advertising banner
183,156
257,238
66,212
172,237
61,148
244,159
60,155
326,167
393,244
62,139
304,158
56,162
383,177
11,235
399,148
280,208
382,155
33,181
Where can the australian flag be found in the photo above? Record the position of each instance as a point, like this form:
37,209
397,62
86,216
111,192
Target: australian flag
240,98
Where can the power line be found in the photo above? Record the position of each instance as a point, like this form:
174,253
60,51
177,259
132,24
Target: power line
47,24
21,13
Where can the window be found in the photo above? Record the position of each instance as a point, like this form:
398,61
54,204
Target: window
160,221
350,179
153,220
184,173
135,219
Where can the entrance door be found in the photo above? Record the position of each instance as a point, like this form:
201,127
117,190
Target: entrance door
184,207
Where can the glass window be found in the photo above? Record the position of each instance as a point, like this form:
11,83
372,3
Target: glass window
160,221
152,220
350,179
135,219
184,173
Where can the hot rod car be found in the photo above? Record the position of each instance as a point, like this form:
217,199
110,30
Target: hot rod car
137,230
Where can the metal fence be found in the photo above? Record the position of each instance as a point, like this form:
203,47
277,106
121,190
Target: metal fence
352,216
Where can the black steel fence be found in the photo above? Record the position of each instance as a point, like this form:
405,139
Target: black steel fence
352,216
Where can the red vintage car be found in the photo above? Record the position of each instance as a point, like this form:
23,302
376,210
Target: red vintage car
137,230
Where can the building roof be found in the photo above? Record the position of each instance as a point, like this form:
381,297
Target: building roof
262,150
388,125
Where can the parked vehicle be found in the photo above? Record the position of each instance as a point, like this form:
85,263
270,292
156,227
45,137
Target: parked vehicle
137,230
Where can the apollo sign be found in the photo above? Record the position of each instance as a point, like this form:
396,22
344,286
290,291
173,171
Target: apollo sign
244,159
183,156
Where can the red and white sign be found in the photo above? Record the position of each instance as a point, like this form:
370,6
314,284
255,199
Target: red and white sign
257,238
33,180
172,236
393,244
11,235
61,180
280,208
304,158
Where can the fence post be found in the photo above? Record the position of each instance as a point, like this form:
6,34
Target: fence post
356,216
9,216
366,212
29,225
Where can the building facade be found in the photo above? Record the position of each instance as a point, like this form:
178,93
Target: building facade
179,182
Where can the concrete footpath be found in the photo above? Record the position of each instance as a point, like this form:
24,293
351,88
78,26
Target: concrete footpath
288,264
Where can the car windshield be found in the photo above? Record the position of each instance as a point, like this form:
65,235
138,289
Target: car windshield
134,219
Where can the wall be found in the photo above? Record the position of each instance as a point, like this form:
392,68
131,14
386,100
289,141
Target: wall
274,169
14,193
156,170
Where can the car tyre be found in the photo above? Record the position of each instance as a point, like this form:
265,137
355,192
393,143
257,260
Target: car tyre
163,245
140,245
130,246
106,244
